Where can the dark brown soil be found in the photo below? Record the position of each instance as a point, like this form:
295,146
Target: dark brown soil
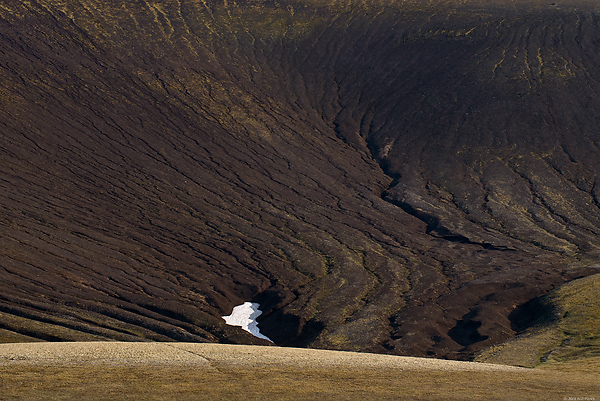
381,176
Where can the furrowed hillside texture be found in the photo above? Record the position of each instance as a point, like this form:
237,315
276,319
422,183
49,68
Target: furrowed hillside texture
380,175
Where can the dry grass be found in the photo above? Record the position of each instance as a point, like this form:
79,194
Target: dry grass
251,373
267,382
569,347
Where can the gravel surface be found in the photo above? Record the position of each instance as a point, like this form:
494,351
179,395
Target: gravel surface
212,355
120,353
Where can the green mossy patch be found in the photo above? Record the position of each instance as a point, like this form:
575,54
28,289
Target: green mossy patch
570,333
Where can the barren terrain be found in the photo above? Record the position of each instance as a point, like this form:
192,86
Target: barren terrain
385,176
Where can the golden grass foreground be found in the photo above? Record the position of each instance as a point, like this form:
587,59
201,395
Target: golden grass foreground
185,371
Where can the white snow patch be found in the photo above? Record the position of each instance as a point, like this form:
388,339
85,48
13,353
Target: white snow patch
245,315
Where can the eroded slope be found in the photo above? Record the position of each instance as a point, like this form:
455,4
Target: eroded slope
380,176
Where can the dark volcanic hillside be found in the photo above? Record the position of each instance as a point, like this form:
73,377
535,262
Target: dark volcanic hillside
380,175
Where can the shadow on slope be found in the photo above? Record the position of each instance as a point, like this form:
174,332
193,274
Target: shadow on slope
559,328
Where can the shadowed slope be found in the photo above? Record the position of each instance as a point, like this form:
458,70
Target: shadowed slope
385,177
559,329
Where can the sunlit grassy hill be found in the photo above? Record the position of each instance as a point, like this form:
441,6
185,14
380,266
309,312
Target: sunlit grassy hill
122,371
